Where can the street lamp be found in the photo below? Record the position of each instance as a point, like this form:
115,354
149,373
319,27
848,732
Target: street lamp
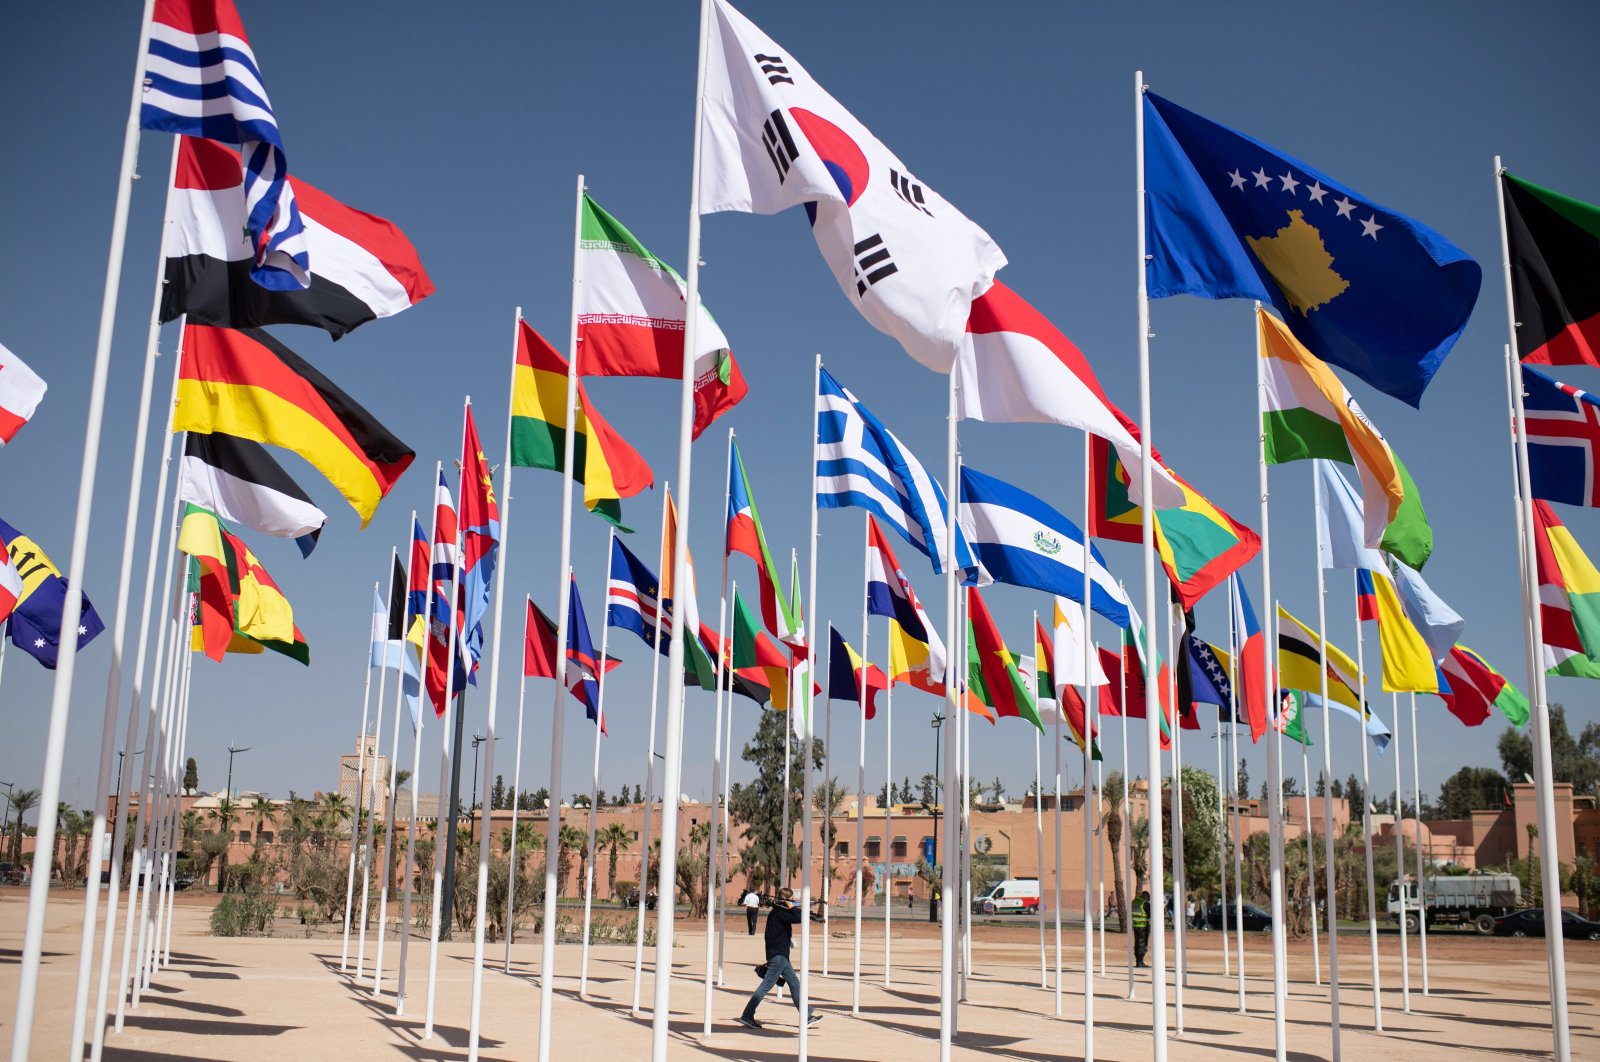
5,823
477,739
232,751
933,905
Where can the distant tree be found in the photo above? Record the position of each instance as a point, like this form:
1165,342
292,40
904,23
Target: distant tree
1263,792
599,797
907,794
1244,777
497,795
1470,789
225,813
929,790
998,790
1322,785
758,806
885,796
638,794
1354,794
191,776
1336,789
1574,760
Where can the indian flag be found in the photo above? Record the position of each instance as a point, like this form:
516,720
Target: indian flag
631,319
1309,413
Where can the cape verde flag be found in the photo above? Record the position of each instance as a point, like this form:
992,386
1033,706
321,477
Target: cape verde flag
201,80
1020,540
1563,439
861,464
633,598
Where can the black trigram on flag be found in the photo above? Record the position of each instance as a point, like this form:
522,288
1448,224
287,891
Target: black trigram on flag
872,263
780,145
909,190
772,66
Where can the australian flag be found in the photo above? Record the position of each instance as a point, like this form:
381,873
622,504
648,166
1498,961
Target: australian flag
35,624
1231,218
1563,439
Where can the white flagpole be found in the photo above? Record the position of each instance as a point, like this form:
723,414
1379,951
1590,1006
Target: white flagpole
447,811
1235,672
389,839
727,834
803,702
714,888
371,789
1274,753
788,836
108,735
650,749
177,810
1400,863
1422,889
672,775
1555,946
547,962
160,946
1158,929
1089,692
1038,826
953,702
424,705
966,847
1327,812
486,813
1366,823
1311,857
861,757
1222,851
72,609
355,805
1055,886
888,810
1127,823
1180,952
1100,818
594,793
827,849
959,736
516,797
724,695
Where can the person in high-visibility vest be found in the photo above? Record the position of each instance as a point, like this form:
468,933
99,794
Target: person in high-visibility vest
1141,926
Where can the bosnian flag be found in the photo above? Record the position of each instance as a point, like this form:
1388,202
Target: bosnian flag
916,652
1252,659
1017,368
239,481
633,598
21,390
1022,541
366,267
201,80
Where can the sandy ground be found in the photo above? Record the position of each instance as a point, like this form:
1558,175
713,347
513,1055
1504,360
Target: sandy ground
249,999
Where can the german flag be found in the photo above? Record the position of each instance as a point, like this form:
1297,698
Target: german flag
1554,246
247,384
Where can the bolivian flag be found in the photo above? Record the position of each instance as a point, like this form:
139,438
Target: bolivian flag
603,462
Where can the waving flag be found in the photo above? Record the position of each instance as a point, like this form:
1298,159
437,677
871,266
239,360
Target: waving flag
1408,664
860,463
539,660
240,482
696,660
581,657
745,535
446,558
201,79
1125,675
1553,242
1563,439
774,139
1475,687
844,674
1366,596
1438,623
1569,598
756,656
632,597
35,624
1069,631
21,391
1252,659
1053,693
10,582
366,267
916,652
1300,667
480,535
236,595
992,674
1368,289
1022,541
419,572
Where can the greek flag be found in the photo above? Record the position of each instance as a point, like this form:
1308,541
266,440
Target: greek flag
1022,541
201,80
861,464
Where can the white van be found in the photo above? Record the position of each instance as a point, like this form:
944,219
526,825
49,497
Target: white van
1011,896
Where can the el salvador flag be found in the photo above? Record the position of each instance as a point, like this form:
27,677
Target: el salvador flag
861,464
1021,540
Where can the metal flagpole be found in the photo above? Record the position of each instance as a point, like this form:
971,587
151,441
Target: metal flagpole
958,972
671,787
714,887
1366,824
1088,762
512,863
1158,929
1038,824
355,805
724,695
486,812
804,704
424,704
72,609
966,845
1274,753
827,853
953,704
1311,860
547,961
1400,863
108,734
594,794
727,833
861,757
394,753
1422,882
177,810
370,787
1180,951
788,836
1222,850
160,943
1327,812
888,809
447,809
1127,824
650,747
1100,822
1235,672
1555,946
1055,887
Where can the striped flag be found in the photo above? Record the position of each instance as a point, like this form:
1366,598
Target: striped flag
240,482
916,652
746,535
844,674
21,391
1569,598
201,79
10,582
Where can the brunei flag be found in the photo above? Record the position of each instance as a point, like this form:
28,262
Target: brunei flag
249,385
1554,245
602,460
1300,663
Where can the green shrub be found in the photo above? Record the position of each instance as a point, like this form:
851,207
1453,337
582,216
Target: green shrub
242,915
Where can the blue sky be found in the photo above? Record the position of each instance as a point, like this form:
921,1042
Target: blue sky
468,128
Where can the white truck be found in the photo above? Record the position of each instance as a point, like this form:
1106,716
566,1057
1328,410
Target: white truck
1455,899
1011,896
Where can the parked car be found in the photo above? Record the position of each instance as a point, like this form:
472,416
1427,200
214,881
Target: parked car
1530,923
1254,917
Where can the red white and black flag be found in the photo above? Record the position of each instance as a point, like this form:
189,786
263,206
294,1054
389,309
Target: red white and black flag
365,266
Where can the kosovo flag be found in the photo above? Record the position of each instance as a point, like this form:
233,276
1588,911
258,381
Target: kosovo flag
1363,287
36,623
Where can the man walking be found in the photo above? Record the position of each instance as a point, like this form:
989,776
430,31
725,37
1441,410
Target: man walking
752,905
779,938
1141,927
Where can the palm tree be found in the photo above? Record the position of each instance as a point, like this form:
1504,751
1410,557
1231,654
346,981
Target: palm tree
1139,840
1112,820
263,809
22,801
613,837
226,813
571,839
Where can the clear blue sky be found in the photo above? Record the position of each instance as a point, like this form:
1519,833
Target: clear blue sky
468,127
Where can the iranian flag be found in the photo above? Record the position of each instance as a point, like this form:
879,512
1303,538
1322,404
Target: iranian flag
631,319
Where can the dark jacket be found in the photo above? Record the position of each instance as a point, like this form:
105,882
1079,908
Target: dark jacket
779,933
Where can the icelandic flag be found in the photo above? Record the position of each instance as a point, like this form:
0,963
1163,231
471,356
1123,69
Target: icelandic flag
201,80
480,537
860,463
1563,439
1252,659
1020,540
746,536
633,598
583,663
916,652
1366,596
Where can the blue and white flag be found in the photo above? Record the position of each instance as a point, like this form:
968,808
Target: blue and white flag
1341,535
201,80
633,597
1438,623
1022,541
1377,730
861,464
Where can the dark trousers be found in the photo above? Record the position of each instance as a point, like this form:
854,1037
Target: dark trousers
1141,941
778,969
750,920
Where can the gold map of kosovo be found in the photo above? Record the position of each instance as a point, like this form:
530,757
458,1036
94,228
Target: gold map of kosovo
1302,266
